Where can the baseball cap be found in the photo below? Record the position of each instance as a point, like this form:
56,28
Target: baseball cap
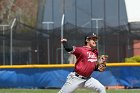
91,36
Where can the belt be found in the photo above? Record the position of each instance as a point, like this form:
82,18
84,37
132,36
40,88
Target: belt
82,77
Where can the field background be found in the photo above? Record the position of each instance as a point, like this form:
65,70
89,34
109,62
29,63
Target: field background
56,90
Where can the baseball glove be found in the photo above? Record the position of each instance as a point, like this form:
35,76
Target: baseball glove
101,64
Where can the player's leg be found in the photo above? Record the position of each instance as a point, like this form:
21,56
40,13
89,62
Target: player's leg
72,83
95,84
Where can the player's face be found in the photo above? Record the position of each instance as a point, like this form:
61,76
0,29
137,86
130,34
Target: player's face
92,43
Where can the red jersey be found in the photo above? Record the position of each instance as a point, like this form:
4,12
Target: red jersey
86,60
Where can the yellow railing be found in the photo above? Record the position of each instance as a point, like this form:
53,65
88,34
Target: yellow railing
39,66
63,65
123,64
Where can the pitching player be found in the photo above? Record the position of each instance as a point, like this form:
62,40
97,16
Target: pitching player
87,62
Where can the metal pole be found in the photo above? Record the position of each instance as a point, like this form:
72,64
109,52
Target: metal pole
97,30
62,28
11,42
3,47
3,28
48,23
48,40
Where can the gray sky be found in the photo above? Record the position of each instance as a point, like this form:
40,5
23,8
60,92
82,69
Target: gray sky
133,10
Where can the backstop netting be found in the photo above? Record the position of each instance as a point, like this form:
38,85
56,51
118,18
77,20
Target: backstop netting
30,44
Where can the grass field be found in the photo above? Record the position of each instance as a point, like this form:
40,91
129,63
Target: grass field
56,90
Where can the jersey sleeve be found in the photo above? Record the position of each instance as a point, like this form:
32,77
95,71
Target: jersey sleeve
76,51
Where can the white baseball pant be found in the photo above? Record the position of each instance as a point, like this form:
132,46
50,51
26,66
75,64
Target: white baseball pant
73,82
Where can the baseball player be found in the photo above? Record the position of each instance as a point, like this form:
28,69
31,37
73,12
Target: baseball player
87,62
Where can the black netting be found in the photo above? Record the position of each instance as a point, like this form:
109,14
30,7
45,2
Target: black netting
38,46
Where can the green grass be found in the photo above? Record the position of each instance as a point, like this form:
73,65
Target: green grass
56,90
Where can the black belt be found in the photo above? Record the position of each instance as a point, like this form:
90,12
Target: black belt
82,77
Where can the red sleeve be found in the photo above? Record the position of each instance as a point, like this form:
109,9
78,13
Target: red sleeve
76,51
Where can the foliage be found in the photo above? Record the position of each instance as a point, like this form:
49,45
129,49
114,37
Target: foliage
24,10
134,59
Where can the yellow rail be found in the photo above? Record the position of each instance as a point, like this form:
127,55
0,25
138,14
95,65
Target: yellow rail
63,65
123,64
38,66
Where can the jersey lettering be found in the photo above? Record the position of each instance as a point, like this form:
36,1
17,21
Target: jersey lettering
91,57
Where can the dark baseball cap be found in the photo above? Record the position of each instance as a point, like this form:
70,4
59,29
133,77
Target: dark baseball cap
91,36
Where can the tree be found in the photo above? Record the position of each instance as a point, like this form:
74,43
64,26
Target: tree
24,10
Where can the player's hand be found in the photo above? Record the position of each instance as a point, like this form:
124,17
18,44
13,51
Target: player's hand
102,67
63,40
103,58
101,64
